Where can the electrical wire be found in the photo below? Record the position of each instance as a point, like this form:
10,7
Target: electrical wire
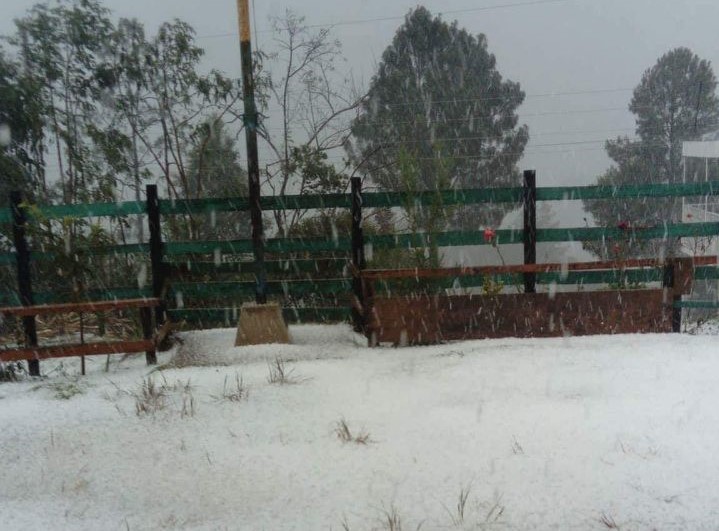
398,17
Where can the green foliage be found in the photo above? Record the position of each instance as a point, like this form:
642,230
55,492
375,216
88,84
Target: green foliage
329,223
674,102
66,390
61,46
428,219
21,120
438,93
74,268
213,171
317,174
491,286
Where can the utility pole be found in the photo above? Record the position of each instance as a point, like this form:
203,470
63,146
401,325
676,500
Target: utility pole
253,166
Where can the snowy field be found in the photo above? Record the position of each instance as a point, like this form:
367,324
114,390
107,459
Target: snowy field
577,433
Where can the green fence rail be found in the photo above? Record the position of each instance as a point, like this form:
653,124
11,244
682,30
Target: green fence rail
294,288
638,191
228,316
377,199
699,305
278,267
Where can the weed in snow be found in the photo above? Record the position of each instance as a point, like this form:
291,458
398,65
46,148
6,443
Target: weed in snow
460,511
280,374
607,521
496,510
517,448
66,390
152,397
234,393
342,430
392,520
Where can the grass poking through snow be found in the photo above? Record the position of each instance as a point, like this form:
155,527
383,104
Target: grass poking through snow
236,392
344,434
151,397
280,374
608,521
460,510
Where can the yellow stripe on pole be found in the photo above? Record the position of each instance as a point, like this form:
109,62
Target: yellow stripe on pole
243,20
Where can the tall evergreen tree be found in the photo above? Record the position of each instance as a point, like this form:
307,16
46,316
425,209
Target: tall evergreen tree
675,101
438,94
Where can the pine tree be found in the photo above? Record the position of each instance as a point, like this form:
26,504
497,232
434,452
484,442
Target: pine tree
674,102
438,93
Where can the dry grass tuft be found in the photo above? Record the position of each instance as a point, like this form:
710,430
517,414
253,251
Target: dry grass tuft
234,393
607,521
460,510
392,520
344,434
151,398
280,374
517,448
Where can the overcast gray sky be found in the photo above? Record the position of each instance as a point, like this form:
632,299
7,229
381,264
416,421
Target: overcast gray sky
596,48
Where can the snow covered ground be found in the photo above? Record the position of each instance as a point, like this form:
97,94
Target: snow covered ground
575,433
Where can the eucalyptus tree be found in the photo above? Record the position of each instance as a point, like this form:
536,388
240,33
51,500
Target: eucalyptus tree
61,46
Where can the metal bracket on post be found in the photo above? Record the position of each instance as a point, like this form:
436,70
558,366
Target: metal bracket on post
24,282
529,206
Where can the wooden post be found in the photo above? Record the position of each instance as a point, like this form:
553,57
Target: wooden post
24,282
253,166
146,320
358,258
529,203
668,283
158,267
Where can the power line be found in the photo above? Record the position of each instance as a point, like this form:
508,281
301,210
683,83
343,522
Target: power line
520,115
504,98
484,99
531,135
398,17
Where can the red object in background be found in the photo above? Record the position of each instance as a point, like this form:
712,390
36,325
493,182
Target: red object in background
489,235
623,225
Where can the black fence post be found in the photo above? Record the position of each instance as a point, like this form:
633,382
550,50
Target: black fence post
529,204
24,282
358,258
668,282
146,321
158,267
